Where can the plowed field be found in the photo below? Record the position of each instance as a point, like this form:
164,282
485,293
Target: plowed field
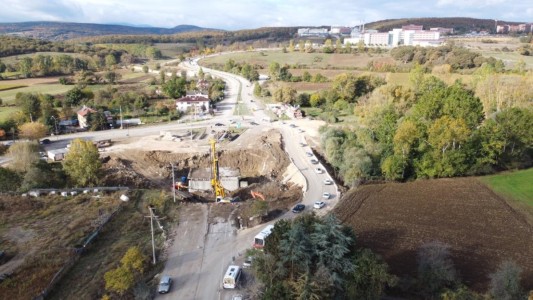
394,219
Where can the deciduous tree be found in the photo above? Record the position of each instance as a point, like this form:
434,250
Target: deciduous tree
33,130
82,163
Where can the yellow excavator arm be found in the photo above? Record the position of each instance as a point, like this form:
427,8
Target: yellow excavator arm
220,194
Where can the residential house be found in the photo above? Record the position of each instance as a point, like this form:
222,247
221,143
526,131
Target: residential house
83,115
197,103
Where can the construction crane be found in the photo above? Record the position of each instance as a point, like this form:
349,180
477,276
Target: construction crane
220,194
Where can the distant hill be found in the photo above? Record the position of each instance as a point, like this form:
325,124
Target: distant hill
460,25
57,31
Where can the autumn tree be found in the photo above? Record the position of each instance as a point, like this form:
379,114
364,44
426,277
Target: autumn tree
23,155
82,163
33,130
122,278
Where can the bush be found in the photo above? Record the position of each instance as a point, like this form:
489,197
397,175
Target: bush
435,268
505,282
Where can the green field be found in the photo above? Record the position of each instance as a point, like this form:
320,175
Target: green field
307,60
52,89
173,49
9,60
516,185
6,87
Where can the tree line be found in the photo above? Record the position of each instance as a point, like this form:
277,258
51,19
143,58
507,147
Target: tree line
434,130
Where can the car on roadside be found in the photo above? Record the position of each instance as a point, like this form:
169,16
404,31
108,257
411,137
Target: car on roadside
164,284
247,262
298,208
292,126
301,130
309,154
219,124
237,297
314,161
45,142
326,195
319,204
328,182
319,171
302,144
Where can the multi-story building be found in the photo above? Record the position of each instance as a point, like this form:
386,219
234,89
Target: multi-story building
412,27
306,32
442,30
397,37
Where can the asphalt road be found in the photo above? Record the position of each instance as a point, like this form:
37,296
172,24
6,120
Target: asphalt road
197,267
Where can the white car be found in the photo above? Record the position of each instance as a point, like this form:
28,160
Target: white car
309,154
326,195
319,171
328,182
302,144
314,161
319,204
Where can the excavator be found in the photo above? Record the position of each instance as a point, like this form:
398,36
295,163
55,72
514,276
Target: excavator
220,193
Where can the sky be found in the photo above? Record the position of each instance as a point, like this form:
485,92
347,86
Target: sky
248,14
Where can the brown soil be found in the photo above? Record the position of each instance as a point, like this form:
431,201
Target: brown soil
265,159
395,219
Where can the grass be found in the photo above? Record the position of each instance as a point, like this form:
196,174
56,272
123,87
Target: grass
515,185
10,60
308,60
6,111
53,89
6,87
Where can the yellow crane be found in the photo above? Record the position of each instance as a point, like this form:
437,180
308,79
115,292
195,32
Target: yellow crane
220,194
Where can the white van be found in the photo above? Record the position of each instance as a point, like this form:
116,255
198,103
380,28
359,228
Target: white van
231,278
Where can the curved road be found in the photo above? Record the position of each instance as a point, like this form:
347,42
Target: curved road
201,252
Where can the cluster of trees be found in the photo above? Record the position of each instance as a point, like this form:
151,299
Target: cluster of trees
282,73
312,258
432,131
12,45
137,50
81,167
201,38
245,70
457,57
45,65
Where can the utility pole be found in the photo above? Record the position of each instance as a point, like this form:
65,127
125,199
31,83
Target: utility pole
173,184
152,229
121,121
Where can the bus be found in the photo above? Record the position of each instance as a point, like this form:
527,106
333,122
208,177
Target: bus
259,239
231,278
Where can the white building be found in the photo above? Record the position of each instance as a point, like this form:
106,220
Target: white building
320,32
397,37
197,103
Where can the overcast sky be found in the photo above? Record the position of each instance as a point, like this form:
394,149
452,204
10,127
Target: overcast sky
242,14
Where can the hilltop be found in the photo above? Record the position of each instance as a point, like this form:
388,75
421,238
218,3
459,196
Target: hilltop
460,25
63,30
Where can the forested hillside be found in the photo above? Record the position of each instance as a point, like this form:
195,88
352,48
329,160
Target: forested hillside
460,25
63,31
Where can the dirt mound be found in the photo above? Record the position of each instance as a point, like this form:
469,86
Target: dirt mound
118,172
396,219
265,158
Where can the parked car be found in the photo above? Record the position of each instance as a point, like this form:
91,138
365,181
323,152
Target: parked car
301,130
319,204
314,161
302,144
219,124
292,126
298,208
237,297
328,182
164,284
319,171
45,142
309,154
326,195
247,262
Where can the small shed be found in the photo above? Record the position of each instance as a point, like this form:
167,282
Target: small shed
57,154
